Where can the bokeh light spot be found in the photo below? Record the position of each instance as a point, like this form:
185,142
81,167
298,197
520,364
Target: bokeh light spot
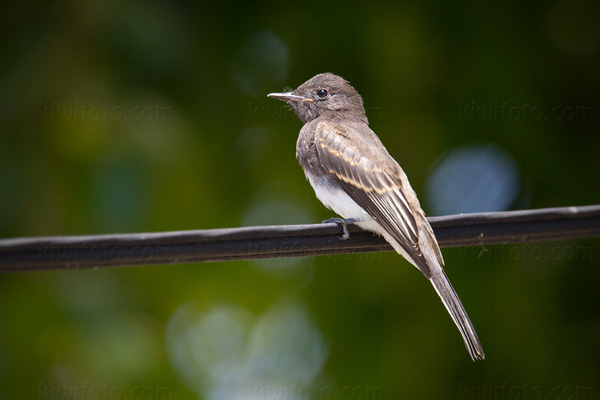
475,178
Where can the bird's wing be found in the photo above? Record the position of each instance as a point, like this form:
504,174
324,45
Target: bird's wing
367,176
371,177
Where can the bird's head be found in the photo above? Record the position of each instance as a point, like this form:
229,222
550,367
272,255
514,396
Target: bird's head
324,95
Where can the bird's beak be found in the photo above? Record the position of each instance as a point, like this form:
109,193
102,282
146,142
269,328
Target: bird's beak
288,97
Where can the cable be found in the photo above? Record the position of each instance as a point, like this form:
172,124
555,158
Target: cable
69,252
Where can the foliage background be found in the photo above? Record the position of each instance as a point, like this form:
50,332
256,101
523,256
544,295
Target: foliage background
212,151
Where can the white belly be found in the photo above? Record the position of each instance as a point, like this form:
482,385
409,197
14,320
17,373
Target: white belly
337,200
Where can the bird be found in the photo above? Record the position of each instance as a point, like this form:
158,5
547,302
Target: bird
353,174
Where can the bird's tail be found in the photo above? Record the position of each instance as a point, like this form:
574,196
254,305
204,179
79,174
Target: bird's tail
444,289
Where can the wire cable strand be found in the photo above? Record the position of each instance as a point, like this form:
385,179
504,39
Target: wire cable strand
94,251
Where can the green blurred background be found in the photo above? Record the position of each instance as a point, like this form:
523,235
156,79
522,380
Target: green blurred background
141,116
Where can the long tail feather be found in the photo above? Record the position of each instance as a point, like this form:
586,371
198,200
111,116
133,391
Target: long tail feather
444,288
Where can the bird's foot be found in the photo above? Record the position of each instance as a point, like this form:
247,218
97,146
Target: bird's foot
343,223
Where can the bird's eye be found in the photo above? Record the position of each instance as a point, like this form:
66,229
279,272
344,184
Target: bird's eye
322,93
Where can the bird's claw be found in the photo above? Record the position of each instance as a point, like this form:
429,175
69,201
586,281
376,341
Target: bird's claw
343,223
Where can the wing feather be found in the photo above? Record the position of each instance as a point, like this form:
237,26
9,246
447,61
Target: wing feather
373,179
377,190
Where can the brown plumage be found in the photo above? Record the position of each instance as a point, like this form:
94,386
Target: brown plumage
354,175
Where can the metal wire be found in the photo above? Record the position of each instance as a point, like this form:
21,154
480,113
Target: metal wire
69,252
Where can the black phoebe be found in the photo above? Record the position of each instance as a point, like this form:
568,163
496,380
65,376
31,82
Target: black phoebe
354,175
